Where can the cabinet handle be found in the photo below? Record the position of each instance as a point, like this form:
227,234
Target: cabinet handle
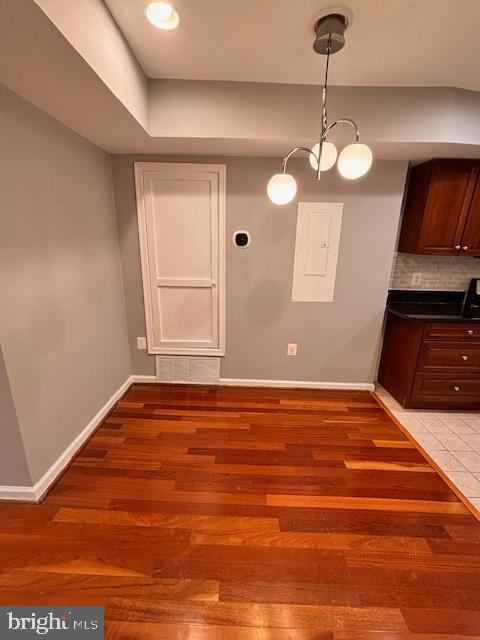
464,357
456,388
457,247
465,248
470,332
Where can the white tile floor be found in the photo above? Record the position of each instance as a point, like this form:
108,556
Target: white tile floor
451,439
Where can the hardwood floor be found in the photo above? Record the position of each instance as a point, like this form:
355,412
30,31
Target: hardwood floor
250,514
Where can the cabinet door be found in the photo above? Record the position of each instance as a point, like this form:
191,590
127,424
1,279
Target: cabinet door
446,391
471,235
447,206
444,357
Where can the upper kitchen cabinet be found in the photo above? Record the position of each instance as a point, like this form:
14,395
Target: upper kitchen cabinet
442,209
471,233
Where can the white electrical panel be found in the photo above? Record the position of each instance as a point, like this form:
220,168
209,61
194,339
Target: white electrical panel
316,251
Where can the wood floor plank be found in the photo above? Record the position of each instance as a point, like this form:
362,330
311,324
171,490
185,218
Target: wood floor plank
217,524
290,593
381,504
154,631
98,586
388,466
304,540
392,444
224,513
321,618
444,621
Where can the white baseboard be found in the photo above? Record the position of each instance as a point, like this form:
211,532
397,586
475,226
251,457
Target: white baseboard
21,494
185,383
286,384
297,384
35,493
143,379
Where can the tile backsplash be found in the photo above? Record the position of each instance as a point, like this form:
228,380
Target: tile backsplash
442,273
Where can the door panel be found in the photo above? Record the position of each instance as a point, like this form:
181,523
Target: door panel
181,226
447,206
181,209
187,315
471,234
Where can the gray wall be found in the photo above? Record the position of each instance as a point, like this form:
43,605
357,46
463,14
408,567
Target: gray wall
63,333
337,342
13,463
398,118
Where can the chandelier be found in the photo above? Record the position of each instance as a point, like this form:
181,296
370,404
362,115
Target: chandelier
355,160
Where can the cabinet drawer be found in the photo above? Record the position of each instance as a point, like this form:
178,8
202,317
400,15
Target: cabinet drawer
452,331
446,356
449,389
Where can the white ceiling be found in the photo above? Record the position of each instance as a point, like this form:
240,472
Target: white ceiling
71,61
390,42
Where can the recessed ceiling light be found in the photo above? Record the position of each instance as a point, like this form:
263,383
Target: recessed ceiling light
162,15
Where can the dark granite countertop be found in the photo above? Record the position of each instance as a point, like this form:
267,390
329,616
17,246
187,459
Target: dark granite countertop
433,306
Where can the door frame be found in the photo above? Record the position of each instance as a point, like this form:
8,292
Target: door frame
140,168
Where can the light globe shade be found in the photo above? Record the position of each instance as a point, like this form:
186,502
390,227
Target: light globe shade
354,161
329,156
282,188
162,15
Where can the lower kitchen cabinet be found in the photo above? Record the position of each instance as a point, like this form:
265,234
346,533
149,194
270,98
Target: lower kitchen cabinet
431,365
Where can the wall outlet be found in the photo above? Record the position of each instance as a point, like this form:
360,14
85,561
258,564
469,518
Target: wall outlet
292,349
141,343
416,280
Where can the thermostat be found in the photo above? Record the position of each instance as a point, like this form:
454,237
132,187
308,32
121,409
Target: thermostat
241,239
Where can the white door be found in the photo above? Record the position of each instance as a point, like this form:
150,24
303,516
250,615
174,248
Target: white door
181,219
